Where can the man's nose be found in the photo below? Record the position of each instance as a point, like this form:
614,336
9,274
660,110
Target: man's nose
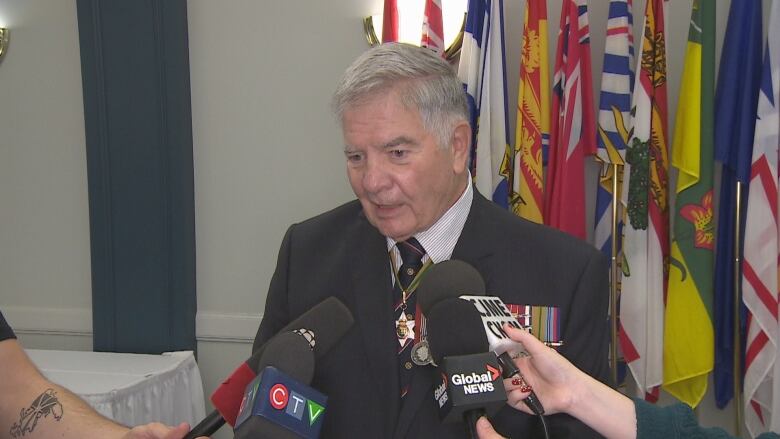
376,177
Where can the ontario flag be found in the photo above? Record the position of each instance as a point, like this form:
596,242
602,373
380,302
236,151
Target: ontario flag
572,134
617,82
736,97
532,134
433,30
688,335
646,229
762,251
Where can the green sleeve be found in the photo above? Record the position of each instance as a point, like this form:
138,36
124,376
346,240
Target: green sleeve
676,421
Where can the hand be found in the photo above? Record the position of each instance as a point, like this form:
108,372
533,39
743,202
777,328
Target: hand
159,431
552,377
486,431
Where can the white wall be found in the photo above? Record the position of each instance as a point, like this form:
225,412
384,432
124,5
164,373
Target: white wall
45,283
266,150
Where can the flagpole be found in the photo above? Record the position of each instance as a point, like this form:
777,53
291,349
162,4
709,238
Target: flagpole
613,274
737,338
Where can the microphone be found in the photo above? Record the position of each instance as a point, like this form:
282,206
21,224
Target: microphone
494,314
328,321
471,383
454,278
279,403
448,279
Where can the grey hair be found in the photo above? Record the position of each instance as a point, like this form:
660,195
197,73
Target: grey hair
423,80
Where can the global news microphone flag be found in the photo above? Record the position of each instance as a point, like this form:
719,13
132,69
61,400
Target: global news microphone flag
762,250
572,131
646,230
736,98
688,334
490,149
532,135
614,127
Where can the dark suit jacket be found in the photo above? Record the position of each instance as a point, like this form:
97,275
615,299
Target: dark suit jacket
340,254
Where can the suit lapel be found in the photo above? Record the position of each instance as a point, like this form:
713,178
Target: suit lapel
373,298
470,248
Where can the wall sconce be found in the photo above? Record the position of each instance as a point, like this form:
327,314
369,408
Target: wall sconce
3,41
373,38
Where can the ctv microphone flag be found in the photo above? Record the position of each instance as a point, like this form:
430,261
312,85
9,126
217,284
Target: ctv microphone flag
276,399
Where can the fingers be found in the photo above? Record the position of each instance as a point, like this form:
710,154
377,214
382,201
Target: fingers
485,430
177,432
531,343
516,392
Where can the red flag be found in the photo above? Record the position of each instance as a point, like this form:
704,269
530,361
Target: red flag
572,134
390,22
433,29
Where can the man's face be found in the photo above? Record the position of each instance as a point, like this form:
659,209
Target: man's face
404,181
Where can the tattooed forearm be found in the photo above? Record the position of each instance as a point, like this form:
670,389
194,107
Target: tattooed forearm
44,405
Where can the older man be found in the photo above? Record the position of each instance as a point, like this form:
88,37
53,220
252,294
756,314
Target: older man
32,407
407,144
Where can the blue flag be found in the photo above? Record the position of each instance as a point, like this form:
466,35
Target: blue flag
735,117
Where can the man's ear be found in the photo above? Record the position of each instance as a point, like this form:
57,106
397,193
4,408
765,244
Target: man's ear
461,146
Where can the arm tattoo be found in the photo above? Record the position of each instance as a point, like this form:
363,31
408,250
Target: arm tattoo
44,405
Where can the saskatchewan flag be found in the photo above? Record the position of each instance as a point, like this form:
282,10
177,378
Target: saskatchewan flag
688,334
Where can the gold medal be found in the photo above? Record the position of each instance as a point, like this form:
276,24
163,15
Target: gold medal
402,328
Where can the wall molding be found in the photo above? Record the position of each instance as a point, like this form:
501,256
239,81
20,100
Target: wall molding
49,321
226,327
210,326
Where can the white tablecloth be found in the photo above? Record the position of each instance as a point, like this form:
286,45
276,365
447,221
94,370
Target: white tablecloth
131,389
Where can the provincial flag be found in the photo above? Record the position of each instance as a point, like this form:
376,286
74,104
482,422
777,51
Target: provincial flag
532,134
572,134
689,335
762,251
433,29
646,202
390,21
614,124
736,98
472,60
614,127
490,150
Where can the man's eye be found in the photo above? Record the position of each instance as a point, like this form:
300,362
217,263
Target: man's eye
398,153
354,157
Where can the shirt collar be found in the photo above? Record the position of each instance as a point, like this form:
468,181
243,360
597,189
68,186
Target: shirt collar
439,240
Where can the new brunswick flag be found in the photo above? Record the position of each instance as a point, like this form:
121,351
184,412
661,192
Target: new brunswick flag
533,116
688,334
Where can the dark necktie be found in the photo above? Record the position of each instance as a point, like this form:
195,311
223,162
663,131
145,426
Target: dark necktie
406,331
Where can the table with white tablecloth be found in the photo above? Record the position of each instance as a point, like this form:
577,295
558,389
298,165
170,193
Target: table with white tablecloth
131,389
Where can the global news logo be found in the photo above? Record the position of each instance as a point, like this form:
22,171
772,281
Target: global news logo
475,383
294,404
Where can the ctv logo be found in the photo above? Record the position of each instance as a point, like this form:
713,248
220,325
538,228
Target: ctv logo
475,383
294,404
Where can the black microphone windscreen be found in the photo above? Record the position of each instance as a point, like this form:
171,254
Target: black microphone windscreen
455,328
291,353
329,320
448,279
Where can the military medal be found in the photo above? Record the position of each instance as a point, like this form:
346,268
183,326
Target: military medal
421,353
402,327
